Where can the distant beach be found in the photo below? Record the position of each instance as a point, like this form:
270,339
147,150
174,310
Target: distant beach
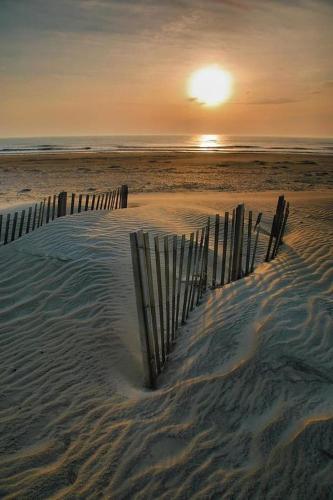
28,177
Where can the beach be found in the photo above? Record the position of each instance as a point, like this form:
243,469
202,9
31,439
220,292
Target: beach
29,178
244,407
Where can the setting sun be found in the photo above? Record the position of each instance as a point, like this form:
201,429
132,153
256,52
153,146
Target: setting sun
210,86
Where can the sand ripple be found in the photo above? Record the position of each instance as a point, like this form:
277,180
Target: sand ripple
245,407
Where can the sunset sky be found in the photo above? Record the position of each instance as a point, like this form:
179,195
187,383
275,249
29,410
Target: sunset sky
71,67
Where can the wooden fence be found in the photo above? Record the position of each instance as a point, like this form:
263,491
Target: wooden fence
172,273
15,225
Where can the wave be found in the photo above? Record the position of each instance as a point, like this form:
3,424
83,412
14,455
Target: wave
166,144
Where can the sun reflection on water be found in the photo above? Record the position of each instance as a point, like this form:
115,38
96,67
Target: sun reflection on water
209,141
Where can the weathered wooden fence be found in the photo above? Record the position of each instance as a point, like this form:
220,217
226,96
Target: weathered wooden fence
15,225
172,273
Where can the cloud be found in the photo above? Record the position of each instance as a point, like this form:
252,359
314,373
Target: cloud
279,100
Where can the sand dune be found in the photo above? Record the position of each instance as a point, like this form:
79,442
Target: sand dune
244,408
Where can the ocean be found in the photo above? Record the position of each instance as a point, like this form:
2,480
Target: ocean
165,143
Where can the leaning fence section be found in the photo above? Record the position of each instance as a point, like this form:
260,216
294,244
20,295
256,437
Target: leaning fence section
15,225
173,272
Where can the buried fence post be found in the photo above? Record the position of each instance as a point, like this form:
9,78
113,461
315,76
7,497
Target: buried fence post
278,240
231,249
216,248
225,243
151,299
187,278
7,230
62,204
124,196
167,291
72,203
268,257
160,295
142,303
14,227
238,242
28,221
248,249
180,277
48,209
21,223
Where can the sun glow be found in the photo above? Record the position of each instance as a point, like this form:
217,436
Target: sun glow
210,86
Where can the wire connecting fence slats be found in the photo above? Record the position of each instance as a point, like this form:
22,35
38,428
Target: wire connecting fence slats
173,272
14,226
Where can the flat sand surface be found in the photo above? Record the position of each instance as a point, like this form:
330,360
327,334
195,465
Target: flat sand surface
29,178
245,406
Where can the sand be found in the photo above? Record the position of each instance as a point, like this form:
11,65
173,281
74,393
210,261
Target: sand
29,178
245,406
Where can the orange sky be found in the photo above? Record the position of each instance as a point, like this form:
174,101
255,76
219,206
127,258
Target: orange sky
108,66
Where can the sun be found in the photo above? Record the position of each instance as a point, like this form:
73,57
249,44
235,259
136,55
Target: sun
210,86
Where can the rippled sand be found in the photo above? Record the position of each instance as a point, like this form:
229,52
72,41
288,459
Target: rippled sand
245,407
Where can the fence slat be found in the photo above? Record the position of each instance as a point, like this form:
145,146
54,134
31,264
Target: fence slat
28,221
279,215
86,203
238,242
160,295
93,202
192,286
216,248
54,206
48,210
187,279
174,281
180,277
21,223
112,199
102,201
39,214
14,227
240,263
268,254
141,302
72,203
43,210
106,201
248,249
79,206
152,301
7,230
225,244
125,196
206,255
231,250
200,269
279,237
0,227
34,218
62,204
167,291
